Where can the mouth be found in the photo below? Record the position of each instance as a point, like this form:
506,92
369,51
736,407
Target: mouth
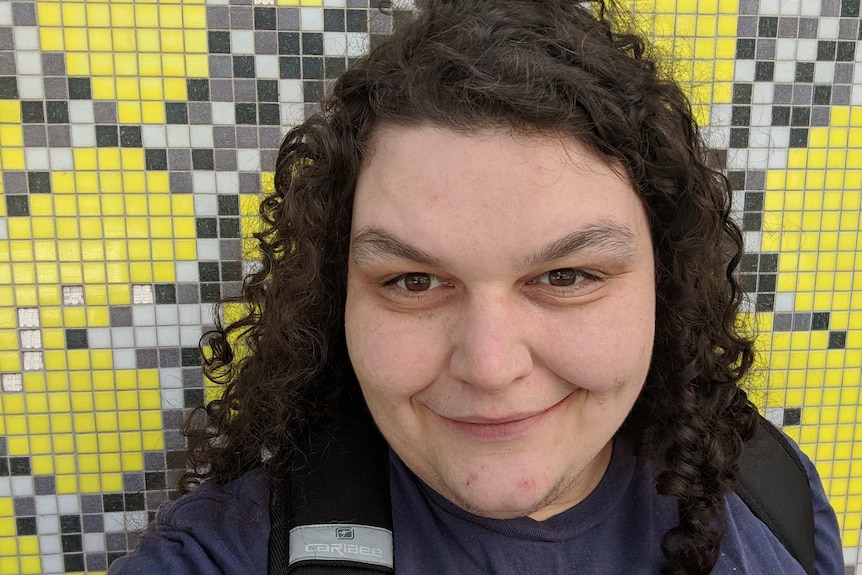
505,428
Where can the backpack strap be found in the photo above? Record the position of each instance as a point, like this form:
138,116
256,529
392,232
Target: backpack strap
331,515
773,483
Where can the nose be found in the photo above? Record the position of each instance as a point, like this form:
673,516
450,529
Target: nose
491,343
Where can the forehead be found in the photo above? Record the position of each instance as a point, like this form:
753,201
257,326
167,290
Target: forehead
443,190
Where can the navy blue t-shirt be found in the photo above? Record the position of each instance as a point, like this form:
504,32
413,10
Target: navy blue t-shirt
225,531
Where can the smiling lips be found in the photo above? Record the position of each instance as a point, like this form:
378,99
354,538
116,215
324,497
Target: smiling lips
500,429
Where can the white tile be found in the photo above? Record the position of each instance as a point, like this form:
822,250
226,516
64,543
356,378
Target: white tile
61,159
45,504
744,71
49,541
785,72
142,294
29,62
23,487
52,564
186,272
227,182
775,415
311,19
762,93
790,7
5,13
5,487
33,361
30,338
122,337
93,542
99,337
171,399
242,42
777,158
114,522
170,378
143,315
758,159
178,135
806,50
204,182
290,91
334,44
809,8
154,136
266,66
248,160
189,314
190,336
201,136
751,241
785,49
785,302
4,229
145,336
28,317
769,7
167,314
68,504
124,358
31,87
168,336
136,520
824,72
827,28
358,44
292,114
83,136
224,113
37,159
26,38
81,112
208,249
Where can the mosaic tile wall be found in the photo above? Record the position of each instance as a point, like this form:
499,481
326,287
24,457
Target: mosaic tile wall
136,136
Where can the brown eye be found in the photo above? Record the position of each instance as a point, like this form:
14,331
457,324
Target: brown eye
417,282
563,277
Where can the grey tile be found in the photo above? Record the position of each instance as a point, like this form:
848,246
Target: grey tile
221,66
59,136
105,112
265,42
749,6
802,94
24,506
15,182
45,484
808,27
801,321
381,23
267,159
180,182
179,159
174,440
91,503
848,28
788,27
187,293
841,95
246,137
755,180
96,561
154,460
56,88
173,418
245,90
288,18
230,250
218,17
92,523
146,358
200,113
782,93
269,137
225,160
221,90
249,183
192,378
241,18
154,499
116,542
133,482
121,316
169,357
782,322
7,39
231,289
24,14
843,73
820,116
224,136
53,64
35,136
765,49
746,27
357,3
7,64
830,7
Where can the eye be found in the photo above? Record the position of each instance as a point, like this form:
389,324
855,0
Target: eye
416,282
569,279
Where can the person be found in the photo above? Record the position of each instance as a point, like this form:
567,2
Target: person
501,235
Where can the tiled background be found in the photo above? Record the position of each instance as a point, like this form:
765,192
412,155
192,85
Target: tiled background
136,136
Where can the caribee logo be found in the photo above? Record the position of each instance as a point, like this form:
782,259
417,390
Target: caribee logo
344,533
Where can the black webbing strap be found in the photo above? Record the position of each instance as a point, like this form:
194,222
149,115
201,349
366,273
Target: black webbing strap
340,485
773,483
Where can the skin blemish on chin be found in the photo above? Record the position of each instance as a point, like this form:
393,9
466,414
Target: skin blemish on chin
527,484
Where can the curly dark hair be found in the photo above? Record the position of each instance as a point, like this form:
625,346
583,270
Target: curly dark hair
550,66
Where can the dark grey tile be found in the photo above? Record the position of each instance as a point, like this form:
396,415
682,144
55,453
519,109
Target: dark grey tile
801,321
154,460
830,7
91,503
133,482
187,293
116,542
782,322
230,249
154,499
92,523
7,64
820,116
24,506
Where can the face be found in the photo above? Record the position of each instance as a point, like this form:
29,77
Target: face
500,312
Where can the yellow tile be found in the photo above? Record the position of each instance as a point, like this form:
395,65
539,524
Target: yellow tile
74,317
197,65
139,250
132,462
12,159
148,40
10,112
153,440
154,113
146,16
113,481
163,272
48,14
129,112
134,182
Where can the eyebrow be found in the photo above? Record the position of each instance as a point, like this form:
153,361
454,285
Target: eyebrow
374,243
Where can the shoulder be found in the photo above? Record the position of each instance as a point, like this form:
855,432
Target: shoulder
213,530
